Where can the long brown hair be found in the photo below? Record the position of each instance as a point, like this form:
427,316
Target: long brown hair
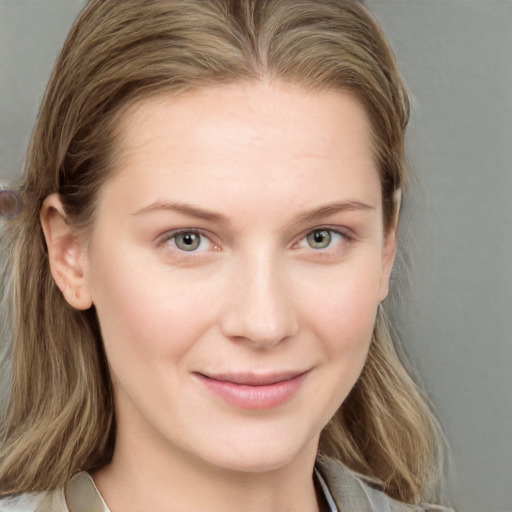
60,417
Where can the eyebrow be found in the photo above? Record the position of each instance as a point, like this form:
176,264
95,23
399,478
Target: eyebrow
329,209
218,218
186,209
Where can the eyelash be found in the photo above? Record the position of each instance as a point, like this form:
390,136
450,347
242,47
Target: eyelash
346,238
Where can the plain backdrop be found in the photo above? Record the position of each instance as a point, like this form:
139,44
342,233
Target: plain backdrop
455,314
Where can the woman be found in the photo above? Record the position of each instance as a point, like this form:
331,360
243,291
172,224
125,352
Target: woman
211,206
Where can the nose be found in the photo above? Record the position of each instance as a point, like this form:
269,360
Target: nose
260,309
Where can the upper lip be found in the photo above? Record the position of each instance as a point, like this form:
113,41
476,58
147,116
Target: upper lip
254,379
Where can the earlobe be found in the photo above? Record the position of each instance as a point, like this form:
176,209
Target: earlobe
66,253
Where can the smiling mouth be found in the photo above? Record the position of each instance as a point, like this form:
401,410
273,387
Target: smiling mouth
253,391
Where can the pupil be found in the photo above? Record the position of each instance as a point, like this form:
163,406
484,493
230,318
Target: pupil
319,236
188,239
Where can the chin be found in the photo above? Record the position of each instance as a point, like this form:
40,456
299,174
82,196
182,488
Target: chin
261,453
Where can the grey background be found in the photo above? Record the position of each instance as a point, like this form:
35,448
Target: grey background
455,318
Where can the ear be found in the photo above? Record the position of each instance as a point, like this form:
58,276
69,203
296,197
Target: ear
389,247
66,253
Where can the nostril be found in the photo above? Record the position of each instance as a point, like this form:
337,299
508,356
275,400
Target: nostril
263,329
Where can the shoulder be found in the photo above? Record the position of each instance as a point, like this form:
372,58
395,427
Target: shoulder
79,495
35,502
352,493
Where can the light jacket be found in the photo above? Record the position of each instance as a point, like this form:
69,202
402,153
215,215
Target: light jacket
348,492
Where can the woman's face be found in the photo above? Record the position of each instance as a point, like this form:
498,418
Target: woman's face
236,266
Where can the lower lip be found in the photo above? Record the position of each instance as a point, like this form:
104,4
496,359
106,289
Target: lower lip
254,397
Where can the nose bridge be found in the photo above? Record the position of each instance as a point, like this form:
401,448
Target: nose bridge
260,308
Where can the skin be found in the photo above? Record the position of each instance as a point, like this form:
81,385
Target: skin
274,163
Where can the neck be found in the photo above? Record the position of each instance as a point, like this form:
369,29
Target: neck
156,476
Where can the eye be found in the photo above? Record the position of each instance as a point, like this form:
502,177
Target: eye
323,238
190,241
319,239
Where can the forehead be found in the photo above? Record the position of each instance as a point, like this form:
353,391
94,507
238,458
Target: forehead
258,138
263,110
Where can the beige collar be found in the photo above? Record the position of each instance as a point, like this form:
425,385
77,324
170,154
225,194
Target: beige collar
341,488
82,495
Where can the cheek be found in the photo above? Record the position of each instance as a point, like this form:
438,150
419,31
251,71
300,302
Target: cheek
145,314
342,303
341,315
347,335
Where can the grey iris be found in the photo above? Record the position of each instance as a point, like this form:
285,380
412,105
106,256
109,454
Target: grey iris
188,241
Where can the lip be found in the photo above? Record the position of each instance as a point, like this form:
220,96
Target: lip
254,391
